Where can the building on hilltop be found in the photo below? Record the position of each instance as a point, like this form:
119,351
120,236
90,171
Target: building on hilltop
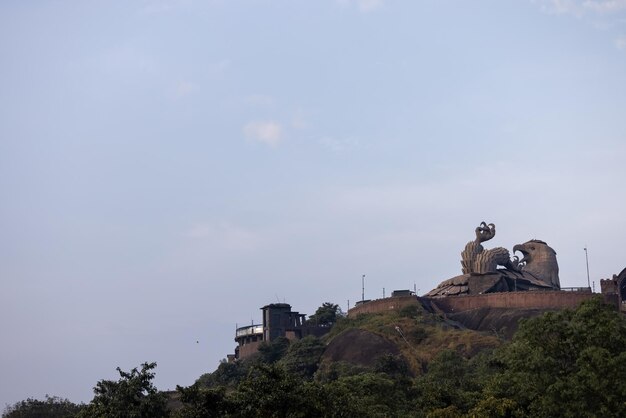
278,321
615,288
403,292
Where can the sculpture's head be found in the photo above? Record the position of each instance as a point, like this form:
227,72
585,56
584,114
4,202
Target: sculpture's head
485,232
540,261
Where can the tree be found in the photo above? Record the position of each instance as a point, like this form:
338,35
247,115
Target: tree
303,356
272,351
366,395
567,363
394,366
326,314
227,374
132,396
269,391
451,381
200,402
51,407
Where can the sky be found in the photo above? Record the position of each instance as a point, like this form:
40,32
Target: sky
168,167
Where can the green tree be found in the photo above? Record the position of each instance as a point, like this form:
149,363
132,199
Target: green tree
394,366
569,363
201,402
271,352
368,395
227,374
326,314
448,382
337,369
269,391
132,396
303,357
448,412
51,407
491,407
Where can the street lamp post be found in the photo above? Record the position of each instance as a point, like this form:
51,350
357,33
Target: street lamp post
587,260
363,288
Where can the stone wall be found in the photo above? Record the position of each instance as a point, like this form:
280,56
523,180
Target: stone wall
384,305
249,349
513,300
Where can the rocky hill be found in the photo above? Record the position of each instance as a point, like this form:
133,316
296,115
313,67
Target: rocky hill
415,363
412,333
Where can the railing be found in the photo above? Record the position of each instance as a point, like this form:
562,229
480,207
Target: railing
576,289
249,330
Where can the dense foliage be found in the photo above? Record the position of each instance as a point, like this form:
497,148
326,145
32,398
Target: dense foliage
570,363
566,363
132,396
50,407
326,315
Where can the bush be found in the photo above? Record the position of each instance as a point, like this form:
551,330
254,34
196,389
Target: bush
51,407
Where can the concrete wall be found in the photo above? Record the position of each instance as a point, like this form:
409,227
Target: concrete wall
384,305
249,349
513,300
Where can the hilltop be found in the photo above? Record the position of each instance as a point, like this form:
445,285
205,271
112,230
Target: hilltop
412,362
411,332
403,363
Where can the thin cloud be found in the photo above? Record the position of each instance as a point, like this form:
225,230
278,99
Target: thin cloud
152,7
266,132
298,121
603,15
220,67
126,59
369,5
199,231
605,6
259,100
225,236
156,8
338,145
580,7
364,6
184,89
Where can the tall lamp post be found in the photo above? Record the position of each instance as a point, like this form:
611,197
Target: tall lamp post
587,260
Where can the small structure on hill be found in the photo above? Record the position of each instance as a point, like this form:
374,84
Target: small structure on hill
494,270
403,292
278,321
615,289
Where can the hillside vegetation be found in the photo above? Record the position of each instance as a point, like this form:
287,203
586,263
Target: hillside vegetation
410,363
568,363
418,335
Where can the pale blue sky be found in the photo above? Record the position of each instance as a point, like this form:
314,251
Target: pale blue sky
168,167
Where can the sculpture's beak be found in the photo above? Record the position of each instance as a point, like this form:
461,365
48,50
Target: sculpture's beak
522,249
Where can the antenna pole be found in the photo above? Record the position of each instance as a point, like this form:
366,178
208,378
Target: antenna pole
383,293
587,260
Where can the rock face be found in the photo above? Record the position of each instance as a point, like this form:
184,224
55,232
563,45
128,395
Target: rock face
499,321
488,271
358,347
